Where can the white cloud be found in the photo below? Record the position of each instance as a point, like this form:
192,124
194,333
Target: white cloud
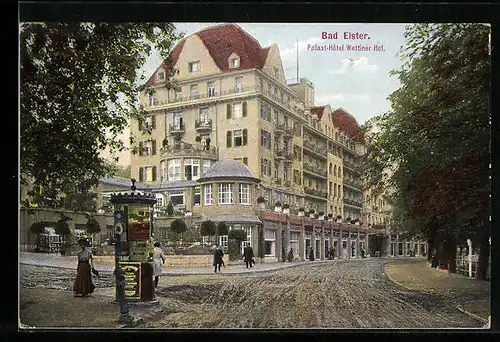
291,53
349,64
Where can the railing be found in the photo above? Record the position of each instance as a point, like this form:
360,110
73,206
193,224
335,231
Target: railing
315,170
189,149
352,166
288,156
352,202
278,153
352,184
208,95
176,128
462,265
203,124
314,192
314,148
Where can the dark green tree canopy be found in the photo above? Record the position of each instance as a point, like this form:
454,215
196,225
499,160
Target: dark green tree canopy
208,228
237,234
92,226
178,226
78,91
222,228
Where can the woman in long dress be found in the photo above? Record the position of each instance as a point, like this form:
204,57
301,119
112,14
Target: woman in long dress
158,261
83,283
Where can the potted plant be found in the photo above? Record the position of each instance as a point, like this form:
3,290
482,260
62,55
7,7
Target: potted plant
348,220
339,219
178,226
286,209
316,216
353,222
198,138
261,201
301,211
312,211
277,207
321,214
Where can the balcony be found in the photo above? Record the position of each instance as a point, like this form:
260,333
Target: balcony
288,156
315,193
353,203
203,125
354,185
352,166
277,181
176,128
315,149
209,95
184,149
278,153
314,170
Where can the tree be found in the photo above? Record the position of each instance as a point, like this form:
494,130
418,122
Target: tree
238,236
170,209
78,90
440,186
208,228
178,226
123,172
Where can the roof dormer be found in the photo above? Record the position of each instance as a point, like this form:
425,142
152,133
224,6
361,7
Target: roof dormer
234,61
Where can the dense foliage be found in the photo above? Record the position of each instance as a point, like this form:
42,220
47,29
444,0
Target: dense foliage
78,91
430,154
208,228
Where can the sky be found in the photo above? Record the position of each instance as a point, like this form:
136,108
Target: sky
357,81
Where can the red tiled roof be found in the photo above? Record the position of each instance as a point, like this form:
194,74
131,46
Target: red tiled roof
347,124
221,42
174,55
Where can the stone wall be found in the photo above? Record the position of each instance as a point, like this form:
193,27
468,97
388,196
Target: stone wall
171,261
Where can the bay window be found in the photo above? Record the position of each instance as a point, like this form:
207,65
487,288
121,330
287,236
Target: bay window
244,194
225,193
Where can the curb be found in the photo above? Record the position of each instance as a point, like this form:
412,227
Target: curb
473,316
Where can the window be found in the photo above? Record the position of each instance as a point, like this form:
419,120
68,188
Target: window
276,169
197,195
163,171
244,194
147,174
176,197
335,170
294,243
265,139
276,72
158,206
194,66
269,243
236,110
160,76
285,173
206,165
191,169
335,190
331,169
152,100
265,111
234,63
237,138
177,94
225,193
238,84
248,240
150,122
208,194
296,177
204,115
330,189
339,172
174,169
264,169
150,147
210,89
177,120
194,92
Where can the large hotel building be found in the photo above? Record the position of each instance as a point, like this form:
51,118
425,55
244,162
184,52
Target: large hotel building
233,132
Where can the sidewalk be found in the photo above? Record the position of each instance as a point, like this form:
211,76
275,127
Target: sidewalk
70,262
467,295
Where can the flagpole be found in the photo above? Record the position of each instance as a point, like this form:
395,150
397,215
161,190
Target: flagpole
298,61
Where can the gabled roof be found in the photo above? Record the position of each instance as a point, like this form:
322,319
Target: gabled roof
347,124
221,41
318,111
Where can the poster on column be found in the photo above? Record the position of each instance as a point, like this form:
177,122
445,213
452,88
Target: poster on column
132,273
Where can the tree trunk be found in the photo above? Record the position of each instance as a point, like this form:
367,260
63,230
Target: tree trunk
484,252
430,249
451,254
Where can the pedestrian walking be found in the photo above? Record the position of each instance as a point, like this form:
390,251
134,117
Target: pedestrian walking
290,255
311,254
248,256
218,255
83,285
158,261
332,253
362,251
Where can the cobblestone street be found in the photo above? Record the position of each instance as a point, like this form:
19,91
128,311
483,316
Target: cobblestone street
355,294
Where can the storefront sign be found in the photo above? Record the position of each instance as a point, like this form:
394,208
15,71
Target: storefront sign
132,273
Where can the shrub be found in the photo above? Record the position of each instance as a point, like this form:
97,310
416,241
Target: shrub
170,209
278,204
238,235
208,228
286,206
321,213
312,211
330,215
261,199
301,209
222,228
233,249
198,138
62,227
37,228
92,226
339,217
178,226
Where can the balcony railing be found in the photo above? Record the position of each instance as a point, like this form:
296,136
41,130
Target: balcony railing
315,170
288,156
177,128
352,202
315,192
278,153
185,149
356,185
352,166
211,94
318,150
202,125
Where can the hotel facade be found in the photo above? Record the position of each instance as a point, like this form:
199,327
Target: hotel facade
232,133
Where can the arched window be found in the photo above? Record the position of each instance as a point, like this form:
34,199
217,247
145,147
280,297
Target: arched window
335,170
331,166
340,175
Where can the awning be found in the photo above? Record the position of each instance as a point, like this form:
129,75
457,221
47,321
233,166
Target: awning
233,219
